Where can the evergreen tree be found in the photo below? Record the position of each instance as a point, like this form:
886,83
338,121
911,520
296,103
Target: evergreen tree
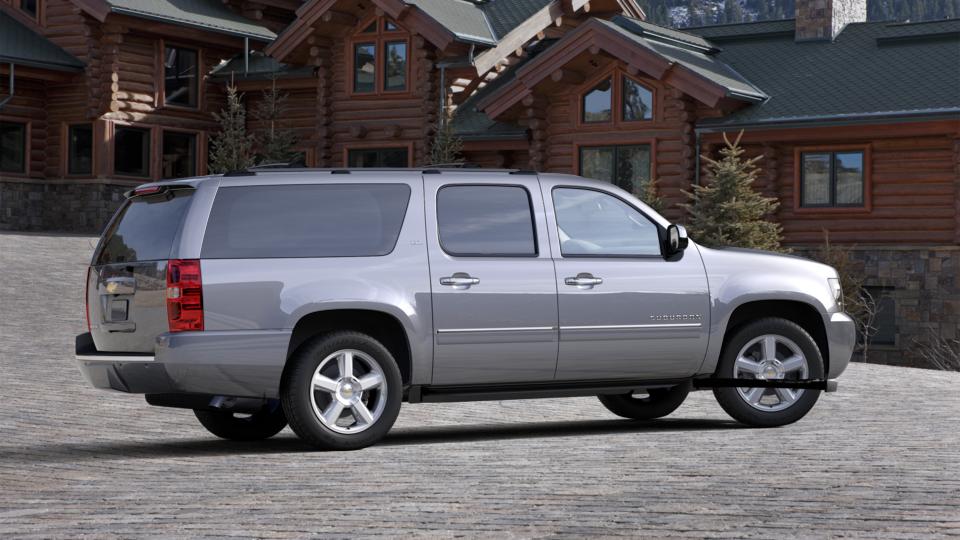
231,149
727,211
446,147
651,196
276,144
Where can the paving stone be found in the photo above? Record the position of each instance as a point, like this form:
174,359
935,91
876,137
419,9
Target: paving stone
879,459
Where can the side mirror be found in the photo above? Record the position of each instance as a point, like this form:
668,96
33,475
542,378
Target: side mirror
677,239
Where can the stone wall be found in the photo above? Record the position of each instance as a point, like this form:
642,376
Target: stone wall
45,205
924,283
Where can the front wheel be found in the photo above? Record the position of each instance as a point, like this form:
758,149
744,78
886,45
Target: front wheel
260,425
769,349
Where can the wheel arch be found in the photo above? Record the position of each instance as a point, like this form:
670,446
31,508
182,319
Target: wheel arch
380,325
804,314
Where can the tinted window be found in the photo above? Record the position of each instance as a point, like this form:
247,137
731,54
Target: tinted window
333,220
13,147
592,223
145,227
486,221
131,152
179,154
80,151
180,76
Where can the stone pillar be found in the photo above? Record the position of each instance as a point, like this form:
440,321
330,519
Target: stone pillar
825,19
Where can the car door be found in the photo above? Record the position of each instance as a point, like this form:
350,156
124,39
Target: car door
492,279
624,310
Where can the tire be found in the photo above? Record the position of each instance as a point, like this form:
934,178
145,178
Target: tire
342,412
769,407
254,427
658,402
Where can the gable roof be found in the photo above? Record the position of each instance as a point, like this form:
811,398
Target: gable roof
210,15
687,62
23,46
869,70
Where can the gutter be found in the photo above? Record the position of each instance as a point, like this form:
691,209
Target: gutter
950,113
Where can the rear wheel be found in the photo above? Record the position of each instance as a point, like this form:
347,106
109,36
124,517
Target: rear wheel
342,391
769,349
260,425
647,405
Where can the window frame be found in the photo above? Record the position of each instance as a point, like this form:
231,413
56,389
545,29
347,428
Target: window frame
533,223
377,146
65,144
38,18
160,83
661,231
27,135
832,207
617,74
379,39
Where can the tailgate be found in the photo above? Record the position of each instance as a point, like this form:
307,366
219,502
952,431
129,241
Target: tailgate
126,285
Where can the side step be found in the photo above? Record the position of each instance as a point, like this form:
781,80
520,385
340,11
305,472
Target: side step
443,394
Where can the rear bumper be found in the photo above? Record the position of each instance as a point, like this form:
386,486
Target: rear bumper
242,364
842,338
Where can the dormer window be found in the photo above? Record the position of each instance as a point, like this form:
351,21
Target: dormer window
380,58
616,98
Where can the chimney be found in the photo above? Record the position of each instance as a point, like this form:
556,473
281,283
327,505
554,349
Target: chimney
823,20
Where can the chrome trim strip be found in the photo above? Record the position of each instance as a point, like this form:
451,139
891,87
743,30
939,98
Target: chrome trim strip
113,358
632,326
504,329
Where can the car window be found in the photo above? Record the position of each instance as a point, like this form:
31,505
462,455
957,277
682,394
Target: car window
486,220
145,228
592,223
313,220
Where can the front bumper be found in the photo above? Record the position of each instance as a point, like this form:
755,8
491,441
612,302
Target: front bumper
842,339
242,364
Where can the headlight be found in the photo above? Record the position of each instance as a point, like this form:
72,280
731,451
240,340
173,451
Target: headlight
837,290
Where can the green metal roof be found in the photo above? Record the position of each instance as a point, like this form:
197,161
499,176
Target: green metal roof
22,46
259,67
690,52
211,15
870,70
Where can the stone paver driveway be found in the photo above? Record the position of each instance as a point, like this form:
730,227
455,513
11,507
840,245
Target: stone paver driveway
879,459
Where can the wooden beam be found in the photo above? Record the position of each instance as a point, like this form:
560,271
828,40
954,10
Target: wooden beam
339,18
567,76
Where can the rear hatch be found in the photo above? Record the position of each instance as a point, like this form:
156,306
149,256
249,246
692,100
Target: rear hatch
126,284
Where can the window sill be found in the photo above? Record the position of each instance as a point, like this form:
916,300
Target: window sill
812,210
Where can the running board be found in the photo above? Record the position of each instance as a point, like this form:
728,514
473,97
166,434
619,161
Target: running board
827,385
443,394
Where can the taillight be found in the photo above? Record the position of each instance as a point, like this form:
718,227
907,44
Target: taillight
184,295
86,299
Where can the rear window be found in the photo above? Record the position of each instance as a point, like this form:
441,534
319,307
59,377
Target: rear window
145,228
328,220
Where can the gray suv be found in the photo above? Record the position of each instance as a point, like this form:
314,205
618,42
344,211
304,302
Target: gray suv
325,298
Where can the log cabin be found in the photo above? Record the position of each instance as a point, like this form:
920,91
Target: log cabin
857,123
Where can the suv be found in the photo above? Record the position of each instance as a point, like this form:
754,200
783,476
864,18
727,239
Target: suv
325,298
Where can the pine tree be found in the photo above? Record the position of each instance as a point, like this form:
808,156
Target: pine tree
651,196
446,147
231,148
727,211
276,144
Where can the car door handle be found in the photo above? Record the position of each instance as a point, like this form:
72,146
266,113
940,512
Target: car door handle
460,281
584,280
